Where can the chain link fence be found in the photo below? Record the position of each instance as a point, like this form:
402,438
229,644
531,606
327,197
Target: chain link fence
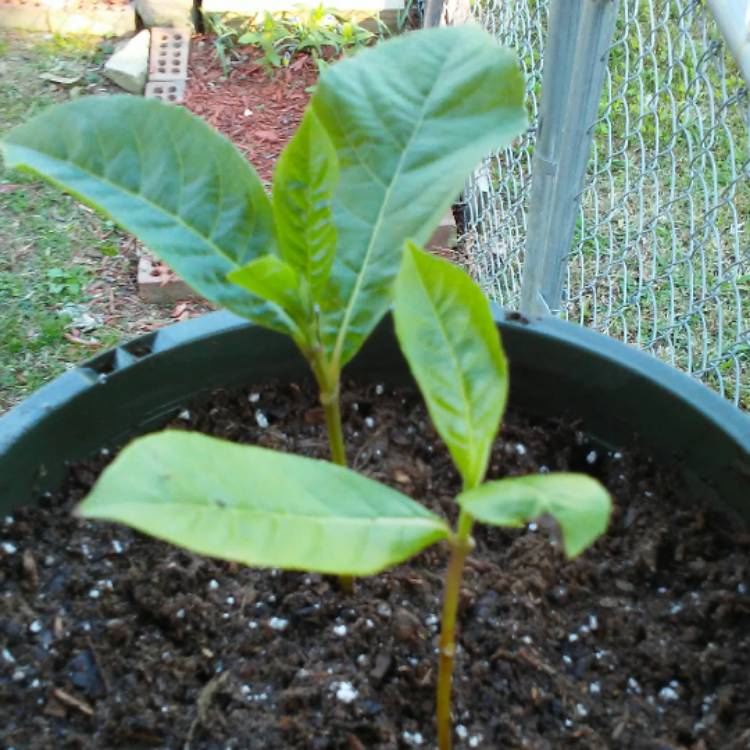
660,255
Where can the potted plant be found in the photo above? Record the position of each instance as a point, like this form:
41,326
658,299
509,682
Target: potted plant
345,198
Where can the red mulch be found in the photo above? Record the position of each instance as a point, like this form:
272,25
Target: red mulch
258,112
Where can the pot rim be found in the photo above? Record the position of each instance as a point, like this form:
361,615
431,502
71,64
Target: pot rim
560,355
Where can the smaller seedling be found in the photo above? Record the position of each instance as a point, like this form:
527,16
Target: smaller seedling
270,509
317,31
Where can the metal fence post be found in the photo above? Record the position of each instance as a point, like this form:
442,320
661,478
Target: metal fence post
733,19
579,35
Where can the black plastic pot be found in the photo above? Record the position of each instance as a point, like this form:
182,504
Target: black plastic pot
556,368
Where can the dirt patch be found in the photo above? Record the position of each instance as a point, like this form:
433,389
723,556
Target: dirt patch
110,639
256,110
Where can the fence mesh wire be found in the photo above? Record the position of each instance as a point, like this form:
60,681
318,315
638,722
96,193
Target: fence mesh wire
661,257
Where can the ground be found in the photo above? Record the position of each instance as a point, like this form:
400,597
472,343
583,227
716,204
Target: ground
67,277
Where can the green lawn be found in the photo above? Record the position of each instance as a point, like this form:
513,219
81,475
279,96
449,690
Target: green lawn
661,257
66,287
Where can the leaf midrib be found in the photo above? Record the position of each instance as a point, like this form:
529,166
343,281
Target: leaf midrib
135,196
381,215
426,521
459,370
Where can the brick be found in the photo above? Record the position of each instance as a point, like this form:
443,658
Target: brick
156,283
172,92
170,50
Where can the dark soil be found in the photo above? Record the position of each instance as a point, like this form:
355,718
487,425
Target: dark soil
112,640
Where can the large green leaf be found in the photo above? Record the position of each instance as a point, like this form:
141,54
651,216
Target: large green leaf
409,119
580,505
162,174
275,281
446,331
260,507
303,185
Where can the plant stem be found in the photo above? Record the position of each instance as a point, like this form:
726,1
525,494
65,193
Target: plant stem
338,456
461,546
335,431
328,385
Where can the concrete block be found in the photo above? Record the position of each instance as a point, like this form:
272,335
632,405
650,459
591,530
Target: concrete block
445,236
115,20
31,16
363,12
252,7
157,283
128,67
170,51
173,13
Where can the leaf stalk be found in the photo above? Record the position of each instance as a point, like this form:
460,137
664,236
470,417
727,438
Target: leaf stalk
461,546
329,387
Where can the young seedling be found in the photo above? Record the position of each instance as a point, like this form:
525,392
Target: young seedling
269,509
385,146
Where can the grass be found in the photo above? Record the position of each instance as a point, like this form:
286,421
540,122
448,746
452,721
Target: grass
59,262
660,256
662,241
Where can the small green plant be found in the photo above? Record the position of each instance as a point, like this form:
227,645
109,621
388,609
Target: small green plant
274,39
316,31
269,509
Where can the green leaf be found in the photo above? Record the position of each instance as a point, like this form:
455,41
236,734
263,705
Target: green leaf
447,334
409,119
260,507
580,505
275,281
162,174
303,185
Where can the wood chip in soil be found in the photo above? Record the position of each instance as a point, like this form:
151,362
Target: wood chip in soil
113,640
257,111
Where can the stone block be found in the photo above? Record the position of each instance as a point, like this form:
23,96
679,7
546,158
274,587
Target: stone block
128,67
172,13
114,20
363,12
27,17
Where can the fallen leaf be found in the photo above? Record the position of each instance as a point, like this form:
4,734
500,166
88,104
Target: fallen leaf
62,80
78,340
179,309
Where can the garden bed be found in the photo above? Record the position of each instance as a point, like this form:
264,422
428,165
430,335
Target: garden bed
259,112
115,640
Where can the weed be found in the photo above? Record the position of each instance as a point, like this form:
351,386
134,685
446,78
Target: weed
317,31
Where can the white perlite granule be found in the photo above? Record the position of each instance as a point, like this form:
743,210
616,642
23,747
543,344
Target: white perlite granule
345,692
